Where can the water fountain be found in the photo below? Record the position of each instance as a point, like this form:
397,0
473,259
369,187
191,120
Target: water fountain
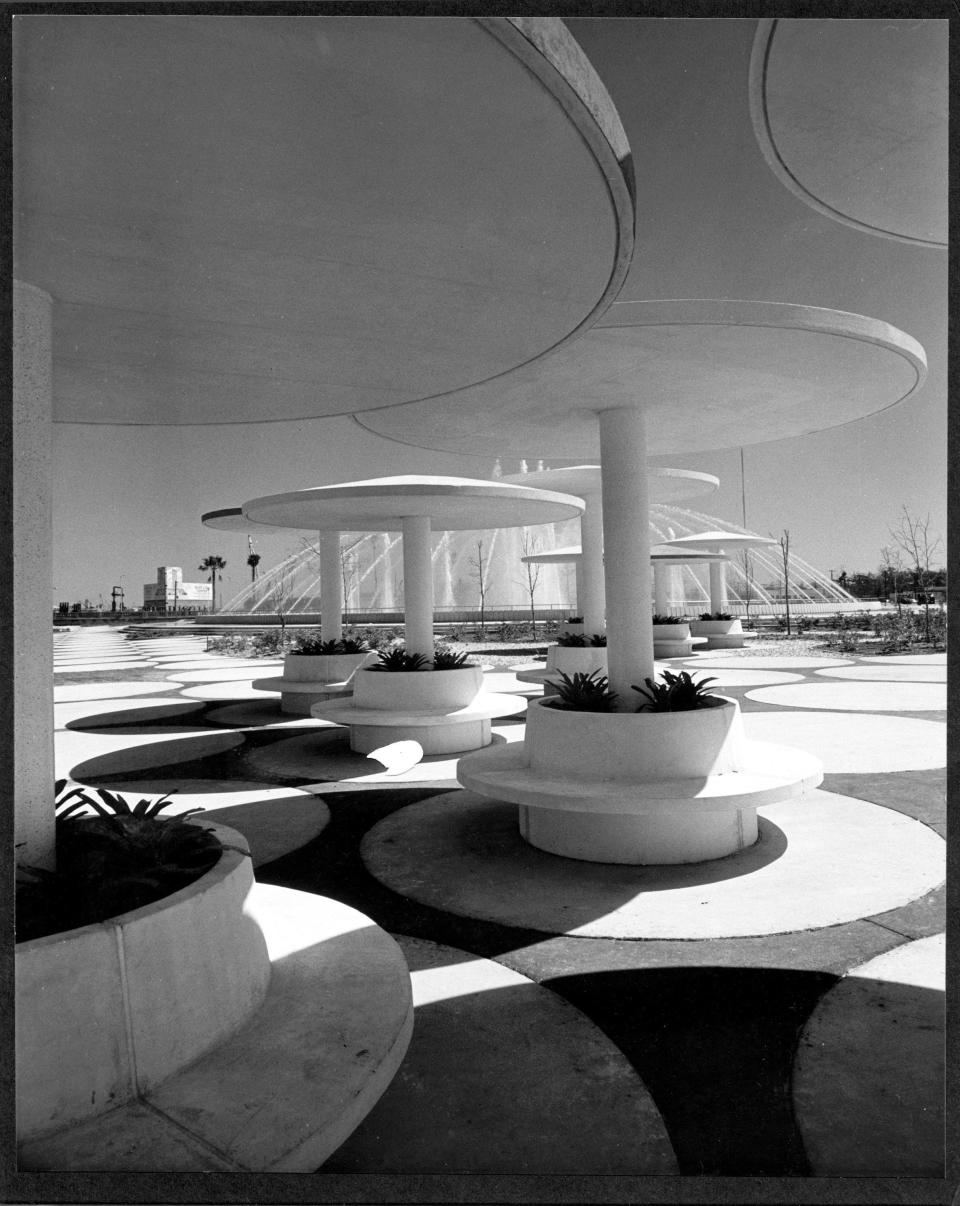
371,566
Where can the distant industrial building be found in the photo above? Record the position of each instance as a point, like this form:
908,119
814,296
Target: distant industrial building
171,593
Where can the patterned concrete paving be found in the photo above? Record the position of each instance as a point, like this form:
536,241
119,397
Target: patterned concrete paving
883,1016
69,692
854,742
857,696
526,1036
901,673
820,861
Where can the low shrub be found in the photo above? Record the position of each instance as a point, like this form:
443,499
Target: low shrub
573,640
573,620
313,644
111,858
449,659
584,693
399,661
658,619
677,693
716,615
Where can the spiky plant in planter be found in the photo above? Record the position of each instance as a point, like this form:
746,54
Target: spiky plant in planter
716,615
110,859
399,661
316,647
580,640
677,693
583,693
448,659
660,619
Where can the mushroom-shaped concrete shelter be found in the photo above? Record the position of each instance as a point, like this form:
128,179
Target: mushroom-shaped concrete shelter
862,160
571,660
416,506
661,556
722,543
232,519
665,485
201,144
658,377
175,205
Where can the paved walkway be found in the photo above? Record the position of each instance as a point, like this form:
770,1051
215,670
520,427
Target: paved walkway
777,1013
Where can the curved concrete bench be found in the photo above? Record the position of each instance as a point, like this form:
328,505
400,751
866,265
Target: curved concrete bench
284,1090
720,634
444,711
648,788
312,678
442,730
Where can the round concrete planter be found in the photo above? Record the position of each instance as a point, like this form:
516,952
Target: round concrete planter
720,634
108,1011
672,640
634,746
323,668
572,659
711,628
671,632
417,690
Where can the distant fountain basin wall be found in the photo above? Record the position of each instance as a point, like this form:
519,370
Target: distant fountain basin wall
372,576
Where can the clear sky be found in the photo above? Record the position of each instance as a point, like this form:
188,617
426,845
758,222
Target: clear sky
713,221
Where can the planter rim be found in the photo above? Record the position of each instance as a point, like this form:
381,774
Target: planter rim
227,862
424,670
548,702
340,653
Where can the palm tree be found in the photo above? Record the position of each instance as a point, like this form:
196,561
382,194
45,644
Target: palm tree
253,561
213,565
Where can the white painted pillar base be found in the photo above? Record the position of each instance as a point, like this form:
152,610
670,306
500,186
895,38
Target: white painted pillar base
32,563
418,585
331,587
455,738
626,543
718,586
639,840
592,600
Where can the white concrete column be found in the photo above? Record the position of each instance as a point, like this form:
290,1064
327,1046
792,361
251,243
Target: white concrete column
32,564
418,585
386,571
626,544
593,599
578,582
660,600
331,587
718,585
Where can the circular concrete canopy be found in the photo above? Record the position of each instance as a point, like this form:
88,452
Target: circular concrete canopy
232,519
851,116
708,374
382,504
272,218
663,485
659,552
718,540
